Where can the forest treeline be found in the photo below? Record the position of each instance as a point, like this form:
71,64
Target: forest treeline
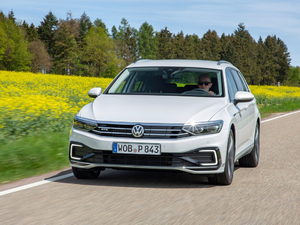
78,46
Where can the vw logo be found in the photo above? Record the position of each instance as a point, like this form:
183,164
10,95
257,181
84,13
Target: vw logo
137,131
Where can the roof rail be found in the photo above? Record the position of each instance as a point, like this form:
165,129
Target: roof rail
141,60
223,61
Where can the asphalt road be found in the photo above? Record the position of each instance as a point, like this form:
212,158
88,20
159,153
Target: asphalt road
268,194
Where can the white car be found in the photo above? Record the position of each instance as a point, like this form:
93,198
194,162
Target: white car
156,115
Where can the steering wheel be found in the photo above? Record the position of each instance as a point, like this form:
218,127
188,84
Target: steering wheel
197,91
200,90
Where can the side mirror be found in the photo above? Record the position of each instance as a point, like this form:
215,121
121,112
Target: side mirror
243,96
95,92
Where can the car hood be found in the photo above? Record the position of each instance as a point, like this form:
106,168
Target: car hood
154,109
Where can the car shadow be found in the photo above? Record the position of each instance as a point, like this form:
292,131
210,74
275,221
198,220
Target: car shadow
140,179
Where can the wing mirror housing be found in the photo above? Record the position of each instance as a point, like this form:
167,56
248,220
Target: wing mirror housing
95,92
243,96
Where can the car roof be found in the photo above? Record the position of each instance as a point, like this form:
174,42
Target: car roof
181,63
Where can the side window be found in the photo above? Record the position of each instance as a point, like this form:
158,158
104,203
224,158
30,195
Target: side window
240,84
232,89
245,82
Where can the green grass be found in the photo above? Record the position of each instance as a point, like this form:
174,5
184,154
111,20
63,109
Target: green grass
33,155
288,106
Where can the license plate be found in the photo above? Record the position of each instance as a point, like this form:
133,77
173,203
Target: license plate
134,148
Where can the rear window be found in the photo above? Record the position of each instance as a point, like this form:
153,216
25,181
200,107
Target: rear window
166,81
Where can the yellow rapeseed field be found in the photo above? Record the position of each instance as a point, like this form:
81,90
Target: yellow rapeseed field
35,102
275,95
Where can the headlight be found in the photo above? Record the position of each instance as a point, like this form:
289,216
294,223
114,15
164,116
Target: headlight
211,127
84,124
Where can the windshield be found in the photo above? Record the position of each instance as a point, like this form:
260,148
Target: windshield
169,81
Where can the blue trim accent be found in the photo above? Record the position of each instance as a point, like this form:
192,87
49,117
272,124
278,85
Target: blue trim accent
115,148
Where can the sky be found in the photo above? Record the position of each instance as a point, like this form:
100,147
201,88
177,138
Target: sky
260,17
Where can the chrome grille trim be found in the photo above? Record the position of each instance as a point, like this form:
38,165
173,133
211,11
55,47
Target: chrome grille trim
164,131
116,128
109,132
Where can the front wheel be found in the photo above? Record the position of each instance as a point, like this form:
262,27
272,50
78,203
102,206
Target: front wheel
85,174
226,177
252,159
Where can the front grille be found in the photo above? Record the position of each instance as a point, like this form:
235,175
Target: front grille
151,130
162,160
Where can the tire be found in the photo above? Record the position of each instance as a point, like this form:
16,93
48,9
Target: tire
226,177
85,174
252,159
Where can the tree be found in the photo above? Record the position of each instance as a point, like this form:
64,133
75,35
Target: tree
197,45
30,32
11,16
99,23
14,54
66,49
189,47
283,60
183,46
260,61
41,60
131,35
99,53
245,52
227,48
270,65
46,32
114,32
294,76
165,45
126,41
211,46
277,61
178,43
3,41
147,43
84,25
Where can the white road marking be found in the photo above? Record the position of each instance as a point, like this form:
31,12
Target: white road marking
71,174
278,117
35,184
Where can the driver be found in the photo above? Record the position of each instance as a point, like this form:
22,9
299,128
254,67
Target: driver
205,83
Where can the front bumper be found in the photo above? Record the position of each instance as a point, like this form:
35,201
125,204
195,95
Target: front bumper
202,160
196,154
